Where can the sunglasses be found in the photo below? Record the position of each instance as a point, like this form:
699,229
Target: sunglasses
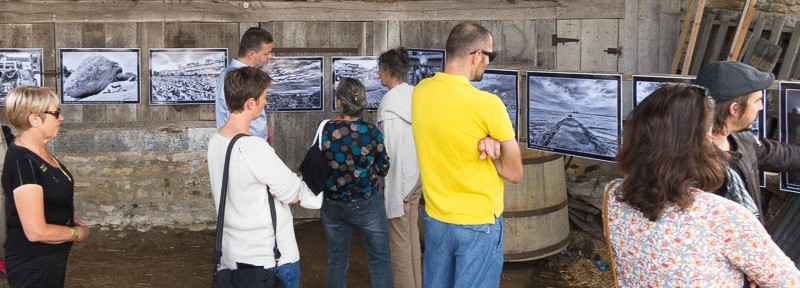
487,53
56,113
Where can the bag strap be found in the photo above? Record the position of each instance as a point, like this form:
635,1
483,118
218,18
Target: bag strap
222,197
318,136
275,251
606,231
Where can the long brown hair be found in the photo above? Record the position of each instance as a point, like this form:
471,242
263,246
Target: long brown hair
667,150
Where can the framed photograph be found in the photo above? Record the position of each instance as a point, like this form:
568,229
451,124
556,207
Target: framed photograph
185,75
424,63
100,75
789,123
643,85
361,68
577,114
296,84
20,67
504,84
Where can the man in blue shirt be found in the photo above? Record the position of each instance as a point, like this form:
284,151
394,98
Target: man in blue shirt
255,50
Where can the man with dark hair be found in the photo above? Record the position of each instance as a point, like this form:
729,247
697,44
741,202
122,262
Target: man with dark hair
463,191
737,89
255,50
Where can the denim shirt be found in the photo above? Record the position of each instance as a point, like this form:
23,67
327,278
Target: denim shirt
258,127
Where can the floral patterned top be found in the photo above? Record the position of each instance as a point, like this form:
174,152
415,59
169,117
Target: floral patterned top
354,150
713,243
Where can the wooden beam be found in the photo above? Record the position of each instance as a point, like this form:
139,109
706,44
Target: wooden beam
741,29
687,59
261,11
686,23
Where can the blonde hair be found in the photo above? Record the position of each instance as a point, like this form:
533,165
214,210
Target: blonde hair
24,100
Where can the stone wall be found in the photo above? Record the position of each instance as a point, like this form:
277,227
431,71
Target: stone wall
790,9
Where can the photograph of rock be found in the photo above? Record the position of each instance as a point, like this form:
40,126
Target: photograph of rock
19,67
789,123
424,63
296,84
185,75
99,75
574,114
643,85
504,84
364,69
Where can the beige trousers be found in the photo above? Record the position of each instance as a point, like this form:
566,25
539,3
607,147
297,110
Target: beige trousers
404,243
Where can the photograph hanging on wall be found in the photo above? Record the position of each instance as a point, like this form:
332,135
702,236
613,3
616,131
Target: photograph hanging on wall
575,114
504,84
99,75
19,67
789,123
361,68
296,84
185,75
643,85
424,63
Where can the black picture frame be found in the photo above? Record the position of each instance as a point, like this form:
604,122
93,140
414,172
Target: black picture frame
789,132
362,68
100,76
643,85
20,67
576,114
297,84
424,63
185,76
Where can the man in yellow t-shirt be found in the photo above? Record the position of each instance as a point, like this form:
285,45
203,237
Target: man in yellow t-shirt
463,192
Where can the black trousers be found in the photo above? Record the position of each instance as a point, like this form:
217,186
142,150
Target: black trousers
43,271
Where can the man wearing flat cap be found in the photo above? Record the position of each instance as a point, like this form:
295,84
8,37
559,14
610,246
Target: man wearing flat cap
737,89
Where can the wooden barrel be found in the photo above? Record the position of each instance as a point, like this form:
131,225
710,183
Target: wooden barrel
536,221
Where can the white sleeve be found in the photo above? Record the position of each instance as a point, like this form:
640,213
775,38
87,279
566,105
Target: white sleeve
269,169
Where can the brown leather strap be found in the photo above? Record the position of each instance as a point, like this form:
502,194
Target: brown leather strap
607,232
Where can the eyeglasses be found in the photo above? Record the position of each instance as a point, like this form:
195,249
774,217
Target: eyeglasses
487,53
56,113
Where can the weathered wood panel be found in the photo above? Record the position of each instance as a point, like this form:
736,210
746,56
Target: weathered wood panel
233,11
628,37
669,23
32,36
648,35
597,36
568,54
545,51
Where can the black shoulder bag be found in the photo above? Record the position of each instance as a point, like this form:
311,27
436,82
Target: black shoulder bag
314,166
245,275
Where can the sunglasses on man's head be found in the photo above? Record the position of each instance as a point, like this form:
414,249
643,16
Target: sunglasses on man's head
487,53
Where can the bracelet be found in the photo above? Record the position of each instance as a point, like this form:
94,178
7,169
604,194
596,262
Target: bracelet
75,234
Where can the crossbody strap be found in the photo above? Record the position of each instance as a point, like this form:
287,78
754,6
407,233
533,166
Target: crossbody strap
222,197
275,251
606,230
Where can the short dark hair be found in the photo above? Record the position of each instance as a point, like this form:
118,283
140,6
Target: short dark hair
466,38
666,150
352,95
722,110
395,62
242,84
253,39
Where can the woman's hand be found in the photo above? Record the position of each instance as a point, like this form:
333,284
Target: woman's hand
83,233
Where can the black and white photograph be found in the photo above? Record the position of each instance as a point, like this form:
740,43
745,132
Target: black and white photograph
504,84
100,75
424,63
364,69
575,114
296,84
185,75
643,85
19,67
789,123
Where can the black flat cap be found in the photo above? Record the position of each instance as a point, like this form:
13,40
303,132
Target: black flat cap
726,80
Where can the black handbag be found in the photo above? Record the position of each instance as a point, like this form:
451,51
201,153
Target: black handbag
314,166
245,276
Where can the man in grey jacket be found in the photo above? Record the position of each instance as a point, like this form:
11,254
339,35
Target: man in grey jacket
737,89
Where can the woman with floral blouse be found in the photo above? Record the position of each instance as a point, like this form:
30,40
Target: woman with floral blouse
664,229
354,150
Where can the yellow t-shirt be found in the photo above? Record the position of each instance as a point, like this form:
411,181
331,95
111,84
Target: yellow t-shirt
450,116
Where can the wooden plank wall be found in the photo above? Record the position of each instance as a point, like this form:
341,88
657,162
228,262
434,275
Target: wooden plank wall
523,33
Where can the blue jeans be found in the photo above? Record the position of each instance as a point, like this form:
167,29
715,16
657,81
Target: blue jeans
370,217
289,274
462,255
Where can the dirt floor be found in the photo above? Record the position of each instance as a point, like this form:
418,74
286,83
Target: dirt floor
181,258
